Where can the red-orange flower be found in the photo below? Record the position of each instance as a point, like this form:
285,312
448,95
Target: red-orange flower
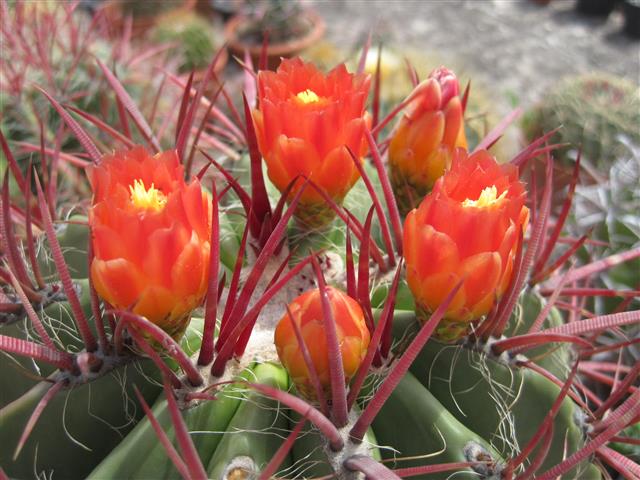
307,313
150,234
466,229
304,124
425,137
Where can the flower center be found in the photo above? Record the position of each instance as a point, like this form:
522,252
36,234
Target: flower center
308,96
488,197
147,199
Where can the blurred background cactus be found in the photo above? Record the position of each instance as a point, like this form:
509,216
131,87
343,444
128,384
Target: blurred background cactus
598,113
195,39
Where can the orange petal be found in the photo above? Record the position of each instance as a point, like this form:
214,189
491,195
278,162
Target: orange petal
118,281
188,272
155,304
481,274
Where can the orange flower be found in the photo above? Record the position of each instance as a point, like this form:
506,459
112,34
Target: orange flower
352,332
466,229
425,137
150,234
304,123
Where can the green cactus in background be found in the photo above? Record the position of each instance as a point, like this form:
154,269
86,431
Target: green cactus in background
196,38
593,110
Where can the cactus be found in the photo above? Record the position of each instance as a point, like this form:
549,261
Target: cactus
361,388
55,47
195,38
594,110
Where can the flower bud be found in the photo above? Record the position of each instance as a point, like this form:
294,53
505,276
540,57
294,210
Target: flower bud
351,329
425,137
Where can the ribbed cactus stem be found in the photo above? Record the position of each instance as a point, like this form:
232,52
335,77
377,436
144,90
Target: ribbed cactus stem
399,369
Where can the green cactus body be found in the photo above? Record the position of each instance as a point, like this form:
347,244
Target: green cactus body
309,452
416,424
74,240
78,427
21,374
254,433
465,381
209,419
554,357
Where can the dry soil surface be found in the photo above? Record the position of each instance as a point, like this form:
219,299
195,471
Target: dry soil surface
517,48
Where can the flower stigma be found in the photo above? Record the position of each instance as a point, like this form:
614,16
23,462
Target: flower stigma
308,96
147,199
487,198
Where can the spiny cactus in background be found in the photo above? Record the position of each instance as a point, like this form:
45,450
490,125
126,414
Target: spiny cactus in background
609,210
381,397
56,48
594,111
195,39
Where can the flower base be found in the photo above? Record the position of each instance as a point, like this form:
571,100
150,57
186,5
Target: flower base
313,216
447,331
408,194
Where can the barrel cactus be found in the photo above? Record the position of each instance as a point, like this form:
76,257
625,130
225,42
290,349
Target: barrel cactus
271,330
195,39
595,111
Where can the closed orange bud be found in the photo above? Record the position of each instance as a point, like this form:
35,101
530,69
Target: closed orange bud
150,234
304,124
307,313
466,229
425,137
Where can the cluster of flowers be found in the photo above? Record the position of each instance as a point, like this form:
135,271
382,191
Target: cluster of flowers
151,229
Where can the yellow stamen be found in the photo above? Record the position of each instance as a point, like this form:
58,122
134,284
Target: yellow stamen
151,199
308,96
488,197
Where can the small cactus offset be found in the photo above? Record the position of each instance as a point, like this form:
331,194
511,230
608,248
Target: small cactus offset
200,317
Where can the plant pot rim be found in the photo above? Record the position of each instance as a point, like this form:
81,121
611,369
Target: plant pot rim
116,16
274,49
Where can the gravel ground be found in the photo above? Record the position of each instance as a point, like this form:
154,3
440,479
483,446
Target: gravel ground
516,47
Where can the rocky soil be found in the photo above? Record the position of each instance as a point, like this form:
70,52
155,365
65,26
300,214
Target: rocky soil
514,47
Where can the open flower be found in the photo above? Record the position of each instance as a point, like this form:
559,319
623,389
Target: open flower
466,229
304,124
425,137
150,234
307,313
